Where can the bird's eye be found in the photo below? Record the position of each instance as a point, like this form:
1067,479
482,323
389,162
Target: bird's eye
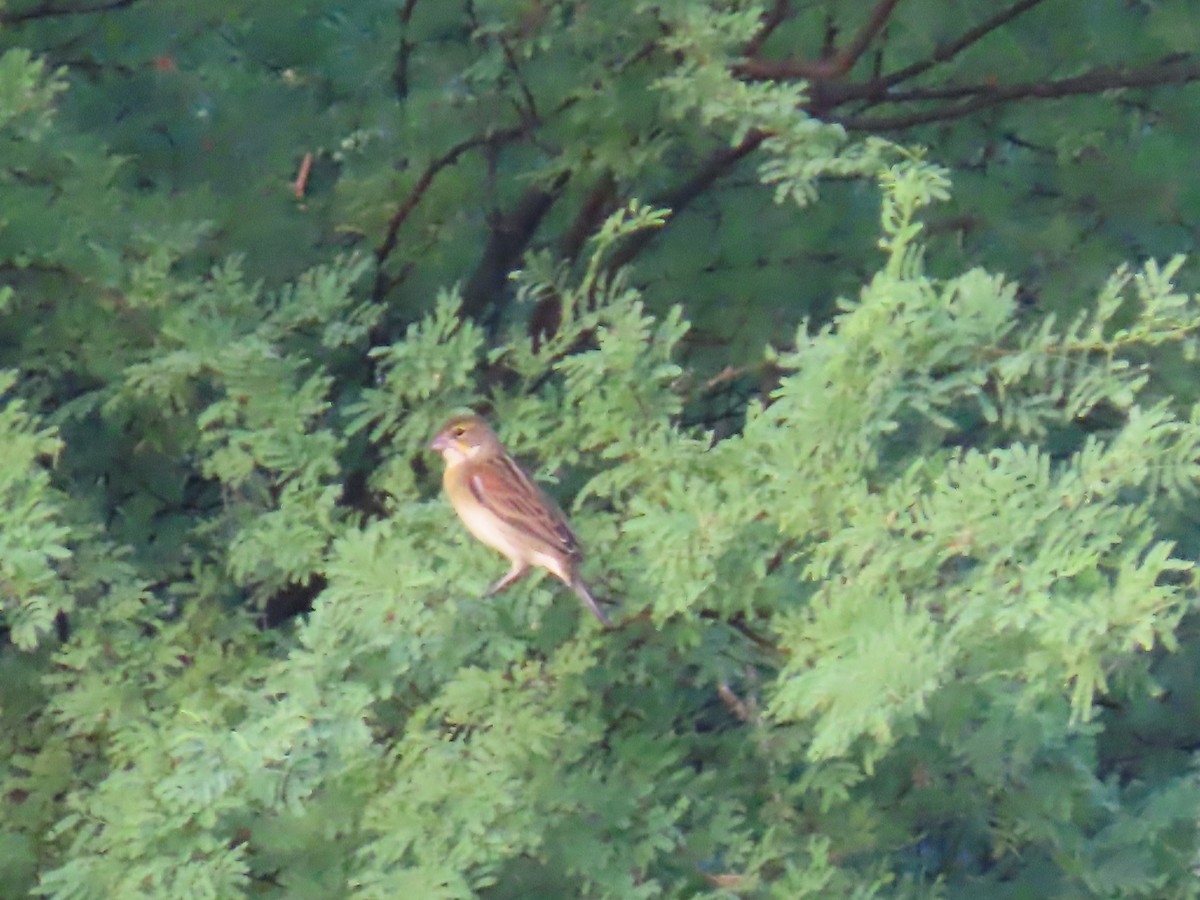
459,431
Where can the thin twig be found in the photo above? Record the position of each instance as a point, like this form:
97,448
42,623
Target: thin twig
46,11
447,159
986,95
820,69
717,164
845,59
300,185
404,51
771,21
946,52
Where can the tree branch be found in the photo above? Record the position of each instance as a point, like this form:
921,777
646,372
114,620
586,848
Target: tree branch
546,317
771,21
404,51
832,67
717,164
515,67
849,55
985,95
509,238
47,10
600,201
946,52
447,159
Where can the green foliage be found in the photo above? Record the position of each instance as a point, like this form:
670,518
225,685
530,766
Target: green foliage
918,620
33,533
952,614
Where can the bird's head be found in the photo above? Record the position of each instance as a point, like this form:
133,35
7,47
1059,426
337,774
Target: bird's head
463,438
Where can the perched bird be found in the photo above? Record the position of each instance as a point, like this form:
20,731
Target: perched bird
503,508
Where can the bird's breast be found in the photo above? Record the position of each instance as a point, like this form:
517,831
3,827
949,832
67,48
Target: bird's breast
487,527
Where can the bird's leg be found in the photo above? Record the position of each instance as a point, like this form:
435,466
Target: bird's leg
513,574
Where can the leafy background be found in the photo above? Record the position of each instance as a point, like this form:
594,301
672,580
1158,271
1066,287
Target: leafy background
855,336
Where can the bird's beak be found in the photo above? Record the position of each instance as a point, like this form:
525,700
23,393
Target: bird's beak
439,443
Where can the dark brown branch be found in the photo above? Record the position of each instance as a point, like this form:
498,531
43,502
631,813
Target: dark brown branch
845,59
46,11
546,317
984,96
772,20
600,201
545,320
447,159
509,238
717,164
959,92
821,69
515,67
780,69
946,52
738,623
644,52
404,51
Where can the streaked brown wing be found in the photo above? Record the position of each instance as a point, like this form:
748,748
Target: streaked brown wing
501,486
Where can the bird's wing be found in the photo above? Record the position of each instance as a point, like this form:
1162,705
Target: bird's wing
503,488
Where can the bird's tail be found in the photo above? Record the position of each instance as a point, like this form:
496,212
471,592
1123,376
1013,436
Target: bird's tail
585,595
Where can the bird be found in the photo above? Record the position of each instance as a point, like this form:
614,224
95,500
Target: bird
504,509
